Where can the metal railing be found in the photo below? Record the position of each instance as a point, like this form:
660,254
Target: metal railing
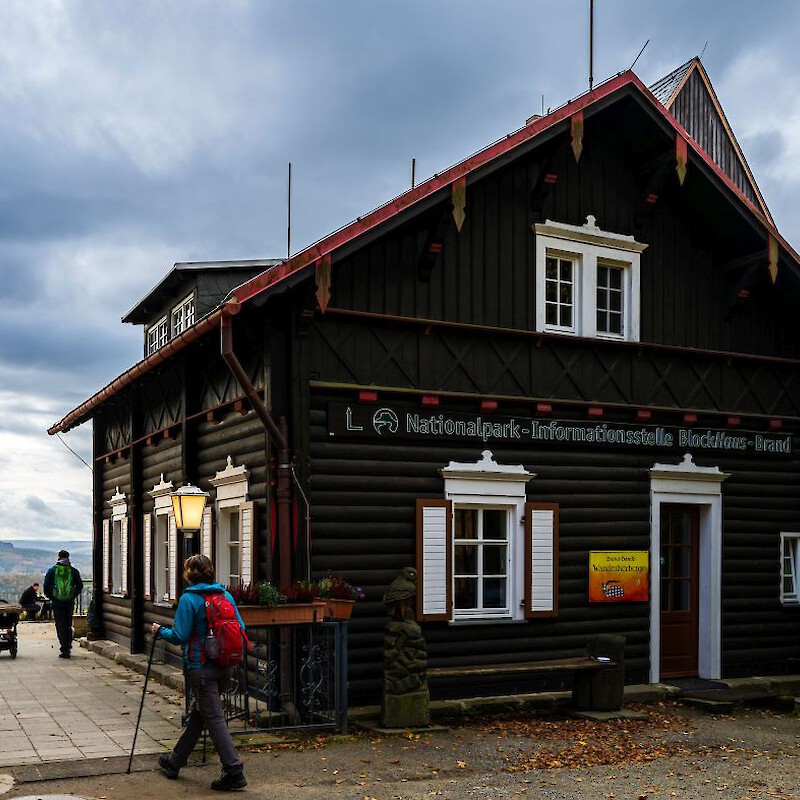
257,699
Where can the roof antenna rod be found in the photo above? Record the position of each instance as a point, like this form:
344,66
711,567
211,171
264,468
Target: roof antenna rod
704,50
413,172
640,52
591,44
289,215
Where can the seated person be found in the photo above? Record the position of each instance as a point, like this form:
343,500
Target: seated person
28,600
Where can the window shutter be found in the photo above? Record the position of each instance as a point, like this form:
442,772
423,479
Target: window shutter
541,559
206,527
172,544
248,546
107,555
434,548
123,555
147,566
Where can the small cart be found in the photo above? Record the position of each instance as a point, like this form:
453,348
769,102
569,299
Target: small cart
9,617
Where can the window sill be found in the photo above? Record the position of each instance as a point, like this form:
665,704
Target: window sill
459,622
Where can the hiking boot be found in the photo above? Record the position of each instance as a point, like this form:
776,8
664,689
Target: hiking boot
230,781
169,770
64,655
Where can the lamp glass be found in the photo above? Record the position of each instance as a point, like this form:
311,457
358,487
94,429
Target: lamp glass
188,504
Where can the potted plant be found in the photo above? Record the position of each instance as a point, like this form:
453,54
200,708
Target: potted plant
265,604
339,595
305,593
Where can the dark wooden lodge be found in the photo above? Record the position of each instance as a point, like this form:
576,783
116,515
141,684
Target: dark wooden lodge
562,378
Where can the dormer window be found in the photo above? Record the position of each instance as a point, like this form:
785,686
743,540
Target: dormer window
183,316
587,281
157,335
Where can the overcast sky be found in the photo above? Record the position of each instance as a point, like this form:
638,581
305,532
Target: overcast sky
137,134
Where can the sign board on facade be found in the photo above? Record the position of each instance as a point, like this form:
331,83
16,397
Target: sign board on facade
618,576
389,422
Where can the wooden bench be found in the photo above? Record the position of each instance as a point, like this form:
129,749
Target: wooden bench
585,693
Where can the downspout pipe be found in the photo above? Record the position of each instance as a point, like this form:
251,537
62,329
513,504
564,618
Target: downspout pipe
278,436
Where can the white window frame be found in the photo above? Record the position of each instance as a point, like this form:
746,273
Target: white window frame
157,335
510,541
587,246
182,315
483,484
232,486
790,557
117,545
165,545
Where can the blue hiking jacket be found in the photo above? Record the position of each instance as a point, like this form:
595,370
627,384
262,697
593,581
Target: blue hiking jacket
189,628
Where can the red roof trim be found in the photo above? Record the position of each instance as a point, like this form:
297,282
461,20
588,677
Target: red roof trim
328,245
385,212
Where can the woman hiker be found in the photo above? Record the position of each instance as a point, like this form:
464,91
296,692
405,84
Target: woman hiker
206,678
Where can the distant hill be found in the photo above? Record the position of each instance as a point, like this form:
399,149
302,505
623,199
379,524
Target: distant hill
34,556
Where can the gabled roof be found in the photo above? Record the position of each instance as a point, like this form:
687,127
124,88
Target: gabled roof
664,90
283,274
674,92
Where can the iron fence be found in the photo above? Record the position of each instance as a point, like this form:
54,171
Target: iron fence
294,678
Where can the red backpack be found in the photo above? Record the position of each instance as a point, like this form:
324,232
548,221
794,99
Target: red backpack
226,640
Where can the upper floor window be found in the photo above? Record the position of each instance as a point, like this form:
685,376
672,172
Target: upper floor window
157,335
183,316
587,281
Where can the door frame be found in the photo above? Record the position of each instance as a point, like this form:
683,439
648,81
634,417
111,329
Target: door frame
687,483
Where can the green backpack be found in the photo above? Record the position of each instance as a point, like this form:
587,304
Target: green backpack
62,582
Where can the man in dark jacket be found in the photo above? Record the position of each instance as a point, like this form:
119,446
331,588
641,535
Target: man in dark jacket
62,584
28,601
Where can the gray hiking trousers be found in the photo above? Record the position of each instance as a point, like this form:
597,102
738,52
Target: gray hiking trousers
207,683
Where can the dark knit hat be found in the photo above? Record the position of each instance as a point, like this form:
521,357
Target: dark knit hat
63,554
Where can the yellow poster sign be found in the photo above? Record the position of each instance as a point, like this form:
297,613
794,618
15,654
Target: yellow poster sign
619,576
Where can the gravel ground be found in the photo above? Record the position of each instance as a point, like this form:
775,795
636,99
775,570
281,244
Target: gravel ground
675,751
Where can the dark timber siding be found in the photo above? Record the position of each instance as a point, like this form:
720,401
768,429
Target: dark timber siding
485,274
363,496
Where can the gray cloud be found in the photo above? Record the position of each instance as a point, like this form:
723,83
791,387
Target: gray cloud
137,135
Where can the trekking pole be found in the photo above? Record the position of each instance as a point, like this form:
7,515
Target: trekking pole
144,693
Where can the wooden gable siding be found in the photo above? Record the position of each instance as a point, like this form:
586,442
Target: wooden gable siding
695,110
485,274
363,519
442,360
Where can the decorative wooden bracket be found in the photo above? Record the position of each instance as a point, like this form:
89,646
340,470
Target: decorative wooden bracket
681,158
576,127
774,254
459,197
323,278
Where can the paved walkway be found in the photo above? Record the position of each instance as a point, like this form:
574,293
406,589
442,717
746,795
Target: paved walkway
85,707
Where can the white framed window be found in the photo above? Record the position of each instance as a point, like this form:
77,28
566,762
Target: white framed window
233,552
115,546
482,541
183,316
790,568
161,547
587,281
157,336
484,553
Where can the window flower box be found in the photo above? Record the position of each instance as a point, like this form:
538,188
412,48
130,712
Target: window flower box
283,614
